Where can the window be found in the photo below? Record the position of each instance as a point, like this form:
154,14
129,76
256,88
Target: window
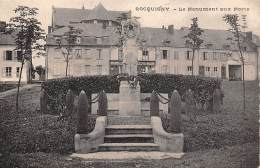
189,68
176,55
58,40
8,71
78,53
214,56
114,69
19,55
165,54
205,56
120,54
99,54
145,55
17,71
207,69
99,69
188,55
9,55
99,40
78,40
215,69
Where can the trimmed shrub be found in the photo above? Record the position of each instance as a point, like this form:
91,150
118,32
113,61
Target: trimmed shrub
43,101
57,88
69,102
102,104
175,112
82,113
154,104
162,83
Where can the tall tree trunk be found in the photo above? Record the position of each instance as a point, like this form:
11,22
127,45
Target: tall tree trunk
244,87
67,65
192,62
18,87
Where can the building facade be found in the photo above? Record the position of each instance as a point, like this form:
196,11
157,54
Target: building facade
99,49
10,63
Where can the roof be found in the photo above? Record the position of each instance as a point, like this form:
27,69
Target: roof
89,33
65,16
217,38
156,37
7,39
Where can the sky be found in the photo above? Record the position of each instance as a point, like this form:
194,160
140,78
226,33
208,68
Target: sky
175,16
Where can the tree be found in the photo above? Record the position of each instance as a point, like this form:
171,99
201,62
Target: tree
193,39
28,33
235,28
67,43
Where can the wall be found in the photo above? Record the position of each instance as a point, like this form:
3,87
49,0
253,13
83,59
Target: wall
176,63
89,63
12,63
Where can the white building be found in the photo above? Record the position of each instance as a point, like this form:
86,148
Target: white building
10,64
159,50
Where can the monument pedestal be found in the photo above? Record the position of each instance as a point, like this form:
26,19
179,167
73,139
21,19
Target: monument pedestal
129,100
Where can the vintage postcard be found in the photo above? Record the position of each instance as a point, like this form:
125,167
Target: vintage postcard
133,83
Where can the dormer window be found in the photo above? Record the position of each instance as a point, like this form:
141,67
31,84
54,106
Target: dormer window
58,40
78,40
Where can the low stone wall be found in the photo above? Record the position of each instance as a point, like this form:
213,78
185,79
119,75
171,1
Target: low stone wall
168,142
113,104
85,143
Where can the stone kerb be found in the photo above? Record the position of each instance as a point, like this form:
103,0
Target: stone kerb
85,143
168,142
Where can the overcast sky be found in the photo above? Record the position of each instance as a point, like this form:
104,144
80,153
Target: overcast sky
210,20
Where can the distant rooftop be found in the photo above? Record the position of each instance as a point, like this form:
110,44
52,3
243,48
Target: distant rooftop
65,16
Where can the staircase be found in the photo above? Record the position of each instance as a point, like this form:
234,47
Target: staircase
128,133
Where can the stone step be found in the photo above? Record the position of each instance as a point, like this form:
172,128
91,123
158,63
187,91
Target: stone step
128,129
128,147
128,120
129,138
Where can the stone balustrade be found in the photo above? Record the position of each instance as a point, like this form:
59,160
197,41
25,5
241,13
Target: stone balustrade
85,143
168,142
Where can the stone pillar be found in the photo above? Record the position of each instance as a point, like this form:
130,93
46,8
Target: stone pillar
129,100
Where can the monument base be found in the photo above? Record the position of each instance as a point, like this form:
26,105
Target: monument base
129,100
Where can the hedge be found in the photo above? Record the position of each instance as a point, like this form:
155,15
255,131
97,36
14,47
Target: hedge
164,83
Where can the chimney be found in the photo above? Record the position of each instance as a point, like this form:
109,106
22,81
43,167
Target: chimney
170,29
2,26
249,35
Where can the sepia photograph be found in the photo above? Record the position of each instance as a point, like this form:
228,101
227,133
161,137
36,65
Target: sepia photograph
129,84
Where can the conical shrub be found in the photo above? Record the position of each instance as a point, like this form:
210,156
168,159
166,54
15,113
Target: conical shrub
175,112
69,102
102,104
43,101
82,113
154,104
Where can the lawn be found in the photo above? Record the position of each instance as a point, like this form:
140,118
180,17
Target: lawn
228,139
